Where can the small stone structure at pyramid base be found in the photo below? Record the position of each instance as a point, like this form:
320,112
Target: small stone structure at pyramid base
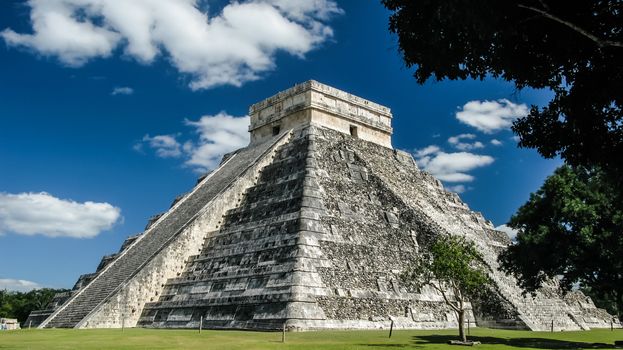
9,324
309,227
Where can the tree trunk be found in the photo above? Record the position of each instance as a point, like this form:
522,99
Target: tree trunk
461,319
619,303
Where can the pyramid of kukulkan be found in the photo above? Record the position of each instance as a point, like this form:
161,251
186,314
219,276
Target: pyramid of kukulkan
308,227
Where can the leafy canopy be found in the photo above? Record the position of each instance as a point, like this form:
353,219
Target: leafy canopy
573,48
571,227
19,304
450,264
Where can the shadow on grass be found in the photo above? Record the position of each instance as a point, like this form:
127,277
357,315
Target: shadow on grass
536,343
385,345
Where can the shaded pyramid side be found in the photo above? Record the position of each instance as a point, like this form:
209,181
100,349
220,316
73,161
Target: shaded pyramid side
117,294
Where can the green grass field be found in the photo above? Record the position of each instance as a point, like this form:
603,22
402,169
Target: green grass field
50,339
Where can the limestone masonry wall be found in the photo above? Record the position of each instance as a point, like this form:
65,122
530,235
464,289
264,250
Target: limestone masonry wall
331,108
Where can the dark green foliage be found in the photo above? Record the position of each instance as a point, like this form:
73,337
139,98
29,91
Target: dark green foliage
605,301
450,261
450,264
571,227
573,48
19,305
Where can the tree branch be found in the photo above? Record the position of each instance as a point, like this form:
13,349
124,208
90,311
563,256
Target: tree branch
544,5
443,294
458,295
600,42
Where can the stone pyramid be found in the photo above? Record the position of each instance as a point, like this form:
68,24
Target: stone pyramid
308,227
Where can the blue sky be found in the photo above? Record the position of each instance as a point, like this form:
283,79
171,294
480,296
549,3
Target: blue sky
100,129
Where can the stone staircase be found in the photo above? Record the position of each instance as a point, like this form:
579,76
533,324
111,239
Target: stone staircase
243,268
544,311
443,209
139,253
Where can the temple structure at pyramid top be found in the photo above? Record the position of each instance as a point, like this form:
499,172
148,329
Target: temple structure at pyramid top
308,227
314,103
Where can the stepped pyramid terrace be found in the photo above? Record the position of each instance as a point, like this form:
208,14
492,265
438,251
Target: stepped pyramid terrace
309,227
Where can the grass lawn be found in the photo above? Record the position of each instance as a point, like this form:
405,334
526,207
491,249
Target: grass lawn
50,339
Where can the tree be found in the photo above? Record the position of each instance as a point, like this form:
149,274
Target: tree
571,228
453,267
20,304
605,301
5,307
574,48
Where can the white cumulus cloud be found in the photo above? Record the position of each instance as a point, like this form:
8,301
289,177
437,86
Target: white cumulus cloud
166,146
216,135
230,47
18,285
426,151
511,232
41,213
450,167
491,116
457,142
122,90
456,188
496,142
